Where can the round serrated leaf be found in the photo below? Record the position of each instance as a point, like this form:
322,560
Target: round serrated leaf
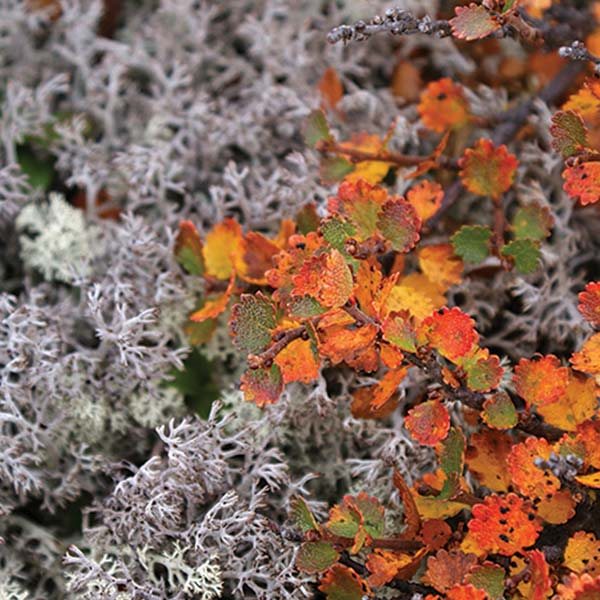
314,557
399,223
525,253
499,412
252,322
472,243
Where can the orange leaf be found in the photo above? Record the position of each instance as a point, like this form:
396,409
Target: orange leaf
486,458
411,513
384,565
582,182
541,381
576,406
488,170
447,569
256,257
222,248
379,400
340,339
428,423
540,582
426,198
361,202
325,277
213,308
443,105
588,435
504,524
342,583
589,303
331,88
440,265
298,362
406,81
579,587
435,533
587,359
526,476
451,332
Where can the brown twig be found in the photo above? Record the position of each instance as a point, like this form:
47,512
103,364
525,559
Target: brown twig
397,159
510,122
578,51
265,359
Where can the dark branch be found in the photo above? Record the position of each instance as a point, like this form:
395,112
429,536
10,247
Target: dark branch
578,51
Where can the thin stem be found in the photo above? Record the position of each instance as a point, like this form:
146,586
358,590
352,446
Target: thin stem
395,158
265,359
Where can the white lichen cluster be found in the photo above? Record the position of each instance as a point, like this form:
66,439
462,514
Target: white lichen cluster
55,239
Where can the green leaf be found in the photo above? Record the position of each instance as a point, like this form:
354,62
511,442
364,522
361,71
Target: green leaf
304,307
334,169
252,322
40,171
343,520
262,386
336,231
314,557
372,514
399,330
307,219
199,333
489,578
453,450
532,222
399,223
196,381
525,254
499,412
302,516
188,248
483,374
317,129
472,243
569,133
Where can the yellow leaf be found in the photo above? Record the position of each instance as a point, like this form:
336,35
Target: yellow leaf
223,248
576,406
592,480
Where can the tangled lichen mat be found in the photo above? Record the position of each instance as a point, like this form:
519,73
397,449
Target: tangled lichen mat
299,299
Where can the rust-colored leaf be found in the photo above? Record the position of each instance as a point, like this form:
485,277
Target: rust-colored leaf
541,381
451,332
331,88
447,569
428,423
473,22
488,170
443,105
589,303
529,479
587,359
504,524
582,182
